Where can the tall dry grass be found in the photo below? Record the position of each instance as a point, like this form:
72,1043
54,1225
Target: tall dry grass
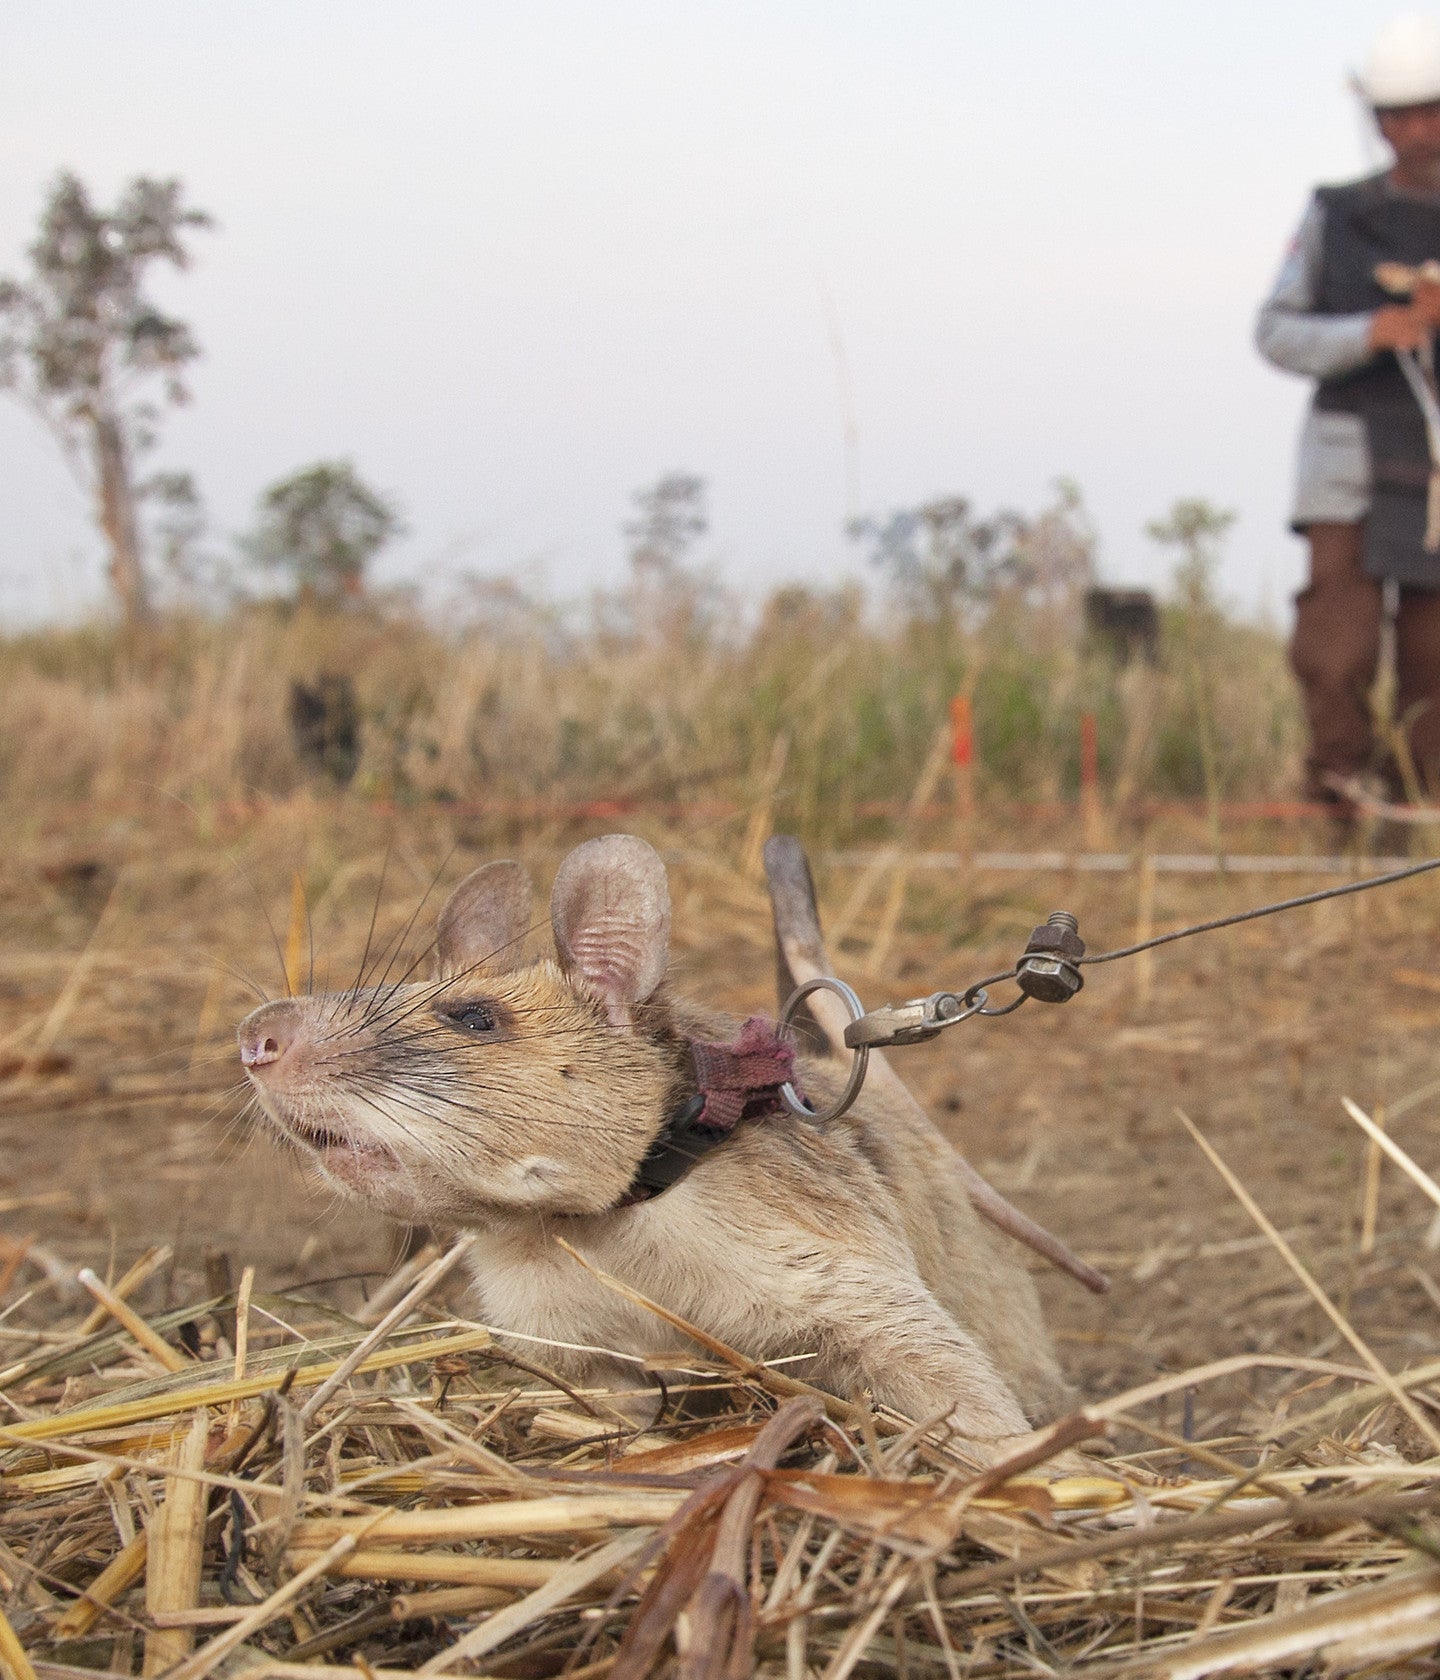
830,706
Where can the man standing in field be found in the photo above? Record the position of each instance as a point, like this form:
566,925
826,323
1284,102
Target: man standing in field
1365,500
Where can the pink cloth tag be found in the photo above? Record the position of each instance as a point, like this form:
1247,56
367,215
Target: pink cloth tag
741,1081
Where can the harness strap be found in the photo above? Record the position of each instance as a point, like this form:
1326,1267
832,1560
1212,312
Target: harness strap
734,1082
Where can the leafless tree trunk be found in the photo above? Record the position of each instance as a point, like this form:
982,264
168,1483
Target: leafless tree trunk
115,509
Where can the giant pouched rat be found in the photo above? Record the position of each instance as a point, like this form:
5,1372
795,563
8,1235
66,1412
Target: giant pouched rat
521,1100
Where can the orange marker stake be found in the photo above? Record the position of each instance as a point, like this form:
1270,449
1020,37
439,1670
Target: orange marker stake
962,756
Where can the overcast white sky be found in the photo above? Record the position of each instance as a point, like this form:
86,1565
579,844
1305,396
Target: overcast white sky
516,260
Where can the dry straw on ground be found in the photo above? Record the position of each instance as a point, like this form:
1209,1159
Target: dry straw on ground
409,1497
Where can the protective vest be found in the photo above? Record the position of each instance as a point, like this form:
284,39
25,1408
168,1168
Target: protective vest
1367,223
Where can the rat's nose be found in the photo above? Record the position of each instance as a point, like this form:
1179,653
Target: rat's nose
267,1033
258,1050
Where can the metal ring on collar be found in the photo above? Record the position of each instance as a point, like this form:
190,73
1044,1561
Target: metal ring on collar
788,1094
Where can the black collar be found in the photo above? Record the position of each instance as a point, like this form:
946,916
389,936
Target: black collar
732,1082
682,1142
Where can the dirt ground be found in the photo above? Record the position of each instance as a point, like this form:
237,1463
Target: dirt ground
130,941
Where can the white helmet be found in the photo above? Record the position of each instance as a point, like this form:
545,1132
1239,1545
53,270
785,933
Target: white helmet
1404,63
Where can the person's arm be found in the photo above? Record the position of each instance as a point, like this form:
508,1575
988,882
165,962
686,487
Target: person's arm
1291,335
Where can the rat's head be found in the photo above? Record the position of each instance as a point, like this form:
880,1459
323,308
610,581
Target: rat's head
501,1085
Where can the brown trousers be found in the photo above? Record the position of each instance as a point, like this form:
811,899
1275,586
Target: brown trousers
1335,651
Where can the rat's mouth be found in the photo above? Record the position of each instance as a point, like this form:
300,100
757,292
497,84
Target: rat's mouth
346,1157
322,1139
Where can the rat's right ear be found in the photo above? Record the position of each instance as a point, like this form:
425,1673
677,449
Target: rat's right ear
485,920
610,909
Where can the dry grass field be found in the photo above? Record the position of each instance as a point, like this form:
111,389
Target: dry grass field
163,860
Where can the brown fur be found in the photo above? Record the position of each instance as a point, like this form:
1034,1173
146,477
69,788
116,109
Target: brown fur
854,1245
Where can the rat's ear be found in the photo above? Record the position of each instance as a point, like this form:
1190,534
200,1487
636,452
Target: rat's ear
611,913
485,921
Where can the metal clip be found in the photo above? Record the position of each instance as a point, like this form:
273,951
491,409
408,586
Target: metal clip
912,1022
1049,970
859,1055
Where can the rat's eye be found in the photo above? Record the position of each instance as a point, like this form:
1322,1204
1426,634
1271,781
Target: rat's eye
471,1017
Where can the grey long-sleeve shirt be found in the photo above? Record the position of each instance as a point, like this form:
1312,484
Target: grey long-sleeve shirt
1333,465
1289,333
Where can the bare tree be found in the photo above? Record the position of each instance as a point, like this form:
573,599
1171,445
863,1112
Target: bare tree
1054,554
1195,527
89,352
671,516
946,563
940,557
670,600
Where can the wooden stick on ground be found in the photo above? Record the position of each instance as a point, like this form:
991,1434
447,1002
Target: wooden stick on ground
446,1601
117,1577
446,1570
145,1267
13,1660
176,1552
565,1583
397,1284
497,1519
1382,1141
1370,1206
151,1340
242,1321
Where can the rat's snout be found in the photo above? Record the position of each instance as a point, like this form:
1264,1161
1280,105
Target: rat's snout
268,1033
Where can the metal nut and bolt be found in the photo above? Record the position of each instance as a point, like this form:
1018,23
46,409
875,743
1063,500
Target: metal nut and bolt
1048,971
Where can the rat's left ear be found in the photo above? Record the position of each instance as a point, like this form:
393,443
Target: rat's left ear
484,922
610,910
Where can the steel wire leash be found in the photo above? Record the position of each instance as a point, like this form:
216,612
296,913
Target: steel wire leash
1048,970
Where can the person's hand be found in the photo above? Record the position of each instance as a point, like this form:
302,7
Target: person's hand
1403,326
1425,301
